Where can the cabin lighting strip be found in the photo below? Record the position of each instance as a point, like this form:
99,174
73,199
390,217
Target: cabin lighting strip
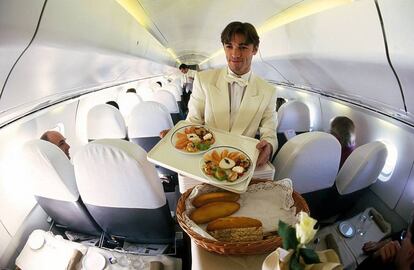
295,12
134,8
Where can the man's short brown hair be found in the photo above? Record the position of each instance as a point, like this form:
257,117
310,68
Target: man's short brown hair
245,29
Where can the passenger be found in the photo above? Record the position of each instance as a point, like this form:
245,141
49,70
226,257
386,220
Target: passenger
57,139
243,102
131,90
391,254
113,103
344,130
279,102
187,80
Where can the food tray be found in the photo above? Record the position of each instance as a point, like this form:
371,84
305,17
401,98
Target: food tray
236,248
166,155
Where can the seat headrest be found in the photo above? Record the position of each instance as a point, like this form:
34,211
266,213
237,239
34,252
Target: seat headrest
49,171
362,167
127,101
310,159
116,173
172,88
147,119
167,99
105,121
293,115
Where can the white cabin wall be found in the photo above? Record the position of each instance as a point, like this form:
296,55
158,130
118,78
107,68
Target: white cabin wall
79,47
17,26
339,51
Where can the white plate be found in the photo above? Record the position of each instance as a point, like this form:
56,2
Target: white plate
93,261
36,239
174,140
219,149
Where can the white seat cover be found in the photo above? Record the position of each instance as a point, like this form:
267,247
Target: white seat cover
116,173
362,167
167,99
173,89
105,121
127,101
147,119
49,171
293,115
310,159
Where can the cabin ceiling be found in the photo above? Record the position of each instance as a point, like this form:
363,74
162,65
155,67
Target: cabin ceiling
193,39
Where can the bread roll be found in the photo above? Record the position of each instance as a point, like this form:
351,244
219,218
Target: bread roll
236,229
214,210
224,196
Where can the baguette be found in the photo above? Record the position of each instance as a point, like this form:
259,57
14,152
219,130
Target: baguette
236,229
215,197
214,210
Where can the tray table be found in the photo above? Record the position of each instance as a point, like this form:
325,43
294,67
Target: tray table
166,155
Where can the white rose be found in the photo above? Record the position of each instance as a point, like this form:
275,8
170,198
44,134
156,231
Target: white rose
304,229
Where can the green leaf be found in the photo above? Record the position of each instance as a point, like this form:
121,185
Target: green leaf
294,263
203,146
288,234
309,255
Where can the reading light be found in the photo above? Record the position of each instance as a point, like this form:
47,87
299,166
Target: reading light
303,9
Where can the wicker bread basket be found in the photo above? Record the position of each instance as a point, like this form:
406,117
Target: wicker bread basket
235,248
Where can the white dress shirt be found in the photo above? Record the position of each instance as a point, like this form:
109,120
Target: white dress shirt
236,93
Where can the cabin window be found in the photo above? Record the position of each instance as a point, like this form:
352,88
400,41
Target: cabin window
390,163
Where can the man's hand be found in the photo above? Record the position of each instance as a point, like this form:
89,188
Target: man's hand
164,132
265,152
371,247
405,256
388,252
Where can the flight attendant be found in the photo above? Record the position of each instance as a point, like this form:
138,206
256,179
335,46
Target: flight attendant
233,98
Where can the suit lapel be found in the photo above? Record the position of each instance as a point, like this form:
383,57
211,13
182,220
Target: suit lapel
248,108
220,102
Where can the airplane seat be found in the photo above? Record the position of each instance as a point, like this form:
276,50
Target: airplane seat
122,191
105,122
177,92
167,99
310,160
293,118
147,120
53,182
127,101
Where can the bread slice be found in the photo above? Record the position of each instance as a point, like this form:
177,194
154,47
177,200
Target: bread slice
206,198
236,229
214,210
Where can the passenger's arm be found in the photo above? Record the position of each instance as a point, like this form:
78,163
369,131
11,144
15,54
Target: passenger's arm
196,105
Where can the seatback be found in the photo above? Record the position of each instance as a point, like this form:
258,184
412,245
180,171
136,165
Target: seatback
105,121
361,168
146,121
52,178
122,191
175,90
310,159
127,102
293,117
167,99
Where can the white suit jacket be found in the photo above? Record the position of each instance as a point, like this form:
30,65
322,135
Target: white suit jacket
210,105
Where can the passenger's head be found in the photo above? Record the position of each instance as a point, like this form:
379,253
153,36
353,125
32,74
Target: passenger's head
183,68
113,103
131,90
344,130
241,42
279,102
57,139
